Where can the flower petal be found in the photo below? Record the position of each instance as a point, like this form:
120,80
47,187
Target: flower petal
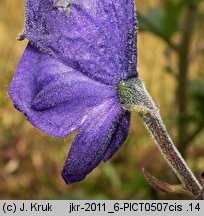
92,141
97,38
119,137
55,98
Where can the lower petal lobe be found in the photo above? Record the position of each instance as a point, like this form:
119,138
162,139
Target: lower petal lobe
55,98
119,137
92,141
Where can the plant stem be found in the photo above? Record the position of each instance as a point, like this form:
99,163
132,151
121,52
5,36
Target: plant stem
167,148
184,52
135,97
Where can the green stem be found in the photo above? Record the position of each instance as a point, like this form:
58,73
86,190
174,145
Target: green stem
184,52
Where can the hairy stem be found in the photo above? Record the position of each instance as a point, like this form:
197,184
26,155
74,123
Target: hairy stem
167,148
134,96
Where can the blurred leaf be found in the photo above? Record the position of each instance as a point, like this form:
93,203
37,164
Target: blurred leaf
162,21
171,19
197,98
153,20
112,175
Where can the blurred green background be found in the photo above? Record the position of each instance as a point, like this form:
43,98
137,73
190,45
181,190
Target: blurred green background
171,61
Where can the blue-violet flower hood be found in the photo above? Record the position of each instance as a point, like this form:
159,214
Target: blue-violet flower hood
68,77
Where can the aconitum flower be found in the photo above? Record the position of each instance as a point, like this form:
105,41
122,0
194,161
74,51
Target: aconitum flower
79,72
67,80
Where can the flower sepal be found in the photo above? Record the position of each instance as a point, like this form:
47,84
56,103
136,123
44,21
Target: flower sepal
135,97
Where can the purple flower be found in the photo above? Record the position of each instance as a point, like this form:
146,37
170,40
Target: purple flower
67,79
